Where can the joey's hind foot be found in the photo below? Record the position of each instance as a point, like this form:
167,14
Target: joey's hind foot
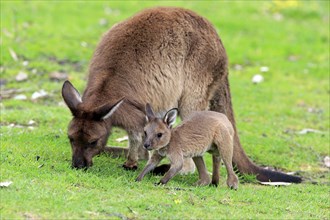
232,182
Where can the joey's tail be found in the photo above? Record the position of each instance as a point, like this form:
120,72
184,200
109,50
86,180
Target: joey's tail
221,102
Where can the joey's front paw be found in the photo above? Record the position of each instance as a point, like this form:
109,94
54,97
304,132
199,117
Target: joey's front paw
159,184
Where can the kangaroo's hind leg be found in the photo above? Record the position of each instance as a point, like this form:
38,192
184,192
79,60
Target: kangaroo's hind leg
216,169
224,142
204,177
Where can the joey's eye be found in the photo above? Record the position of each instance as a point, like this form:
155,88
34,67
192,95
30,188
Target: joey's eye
145,133
159,135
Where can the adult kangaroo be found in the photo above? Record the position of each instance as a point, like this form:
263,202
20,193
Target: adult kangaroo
168,57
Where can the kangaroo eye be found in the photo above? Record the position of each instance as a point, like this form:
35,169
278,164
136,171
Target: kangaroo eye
93,143
71,140
159,135
145,133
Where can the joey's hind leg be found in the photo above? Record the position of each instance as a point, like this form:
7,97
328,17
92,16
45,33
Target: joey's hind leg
225,147
232,179
216,169
204,177
135,150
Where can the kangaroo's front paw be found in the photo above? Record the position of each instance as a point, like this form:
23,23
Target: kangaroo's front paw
215,183
128,165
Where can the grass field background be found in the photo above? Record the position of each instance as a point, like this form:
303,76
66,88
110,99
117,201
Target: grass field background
290,38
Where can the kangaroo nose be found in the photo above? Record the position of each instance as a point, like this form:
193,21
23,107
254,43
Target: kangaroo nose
146,145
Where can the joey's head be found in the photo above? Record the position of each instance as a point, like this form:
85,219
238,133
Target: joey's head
158,130
88,130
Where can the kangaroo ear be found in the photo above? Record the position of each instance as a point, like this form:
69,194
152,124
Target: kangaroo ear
71,97
105,111
170,117
149,113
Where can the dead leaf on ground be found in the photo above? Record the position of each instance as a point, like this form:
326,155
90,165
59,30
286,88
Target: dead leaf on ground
256,79
32,122
25,63
20,97
13,54
30,125
9,93
238,67
293,58
315,110
326,161
21,76
58,76
8,33
84,44
309,130
5,184
278,17
103,22
39,94
264,69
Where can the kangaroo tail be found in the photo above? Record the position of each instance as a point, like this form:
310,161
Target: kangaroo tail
265,175
221,102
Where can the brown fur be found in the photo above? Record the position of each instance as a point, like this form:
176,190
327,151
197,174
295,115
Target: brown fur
201,132
169,57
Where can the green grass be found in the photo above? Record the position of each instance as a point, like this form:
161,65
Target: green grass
292,39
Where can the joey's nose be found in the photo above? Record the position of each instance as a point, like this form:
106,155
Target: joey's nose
146,145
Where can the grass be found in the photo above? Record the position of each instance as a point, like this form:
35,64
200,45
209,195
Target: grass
291,38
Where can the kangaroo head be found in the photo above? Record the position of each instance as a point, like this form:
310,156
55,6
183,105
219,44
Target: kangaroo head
158,130
88,130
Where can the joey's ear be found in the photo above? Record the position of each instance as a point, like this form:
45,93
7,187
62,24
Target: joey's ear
170,117
71,96
149,113
107,110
